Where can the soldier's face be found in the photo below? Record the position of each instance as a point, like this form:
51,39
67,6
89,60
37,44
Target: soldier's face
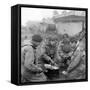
35,43
52,42
73,44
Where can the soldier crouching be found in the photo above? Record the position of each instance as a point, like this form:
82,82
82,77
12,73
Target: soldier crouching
64,52
76,69
76,66
47,60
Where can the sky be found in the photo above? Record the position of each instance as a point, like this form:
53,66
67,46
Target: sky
35,14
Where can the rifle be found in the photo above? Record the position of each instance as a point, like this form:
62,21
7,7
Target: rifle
78,43
70,56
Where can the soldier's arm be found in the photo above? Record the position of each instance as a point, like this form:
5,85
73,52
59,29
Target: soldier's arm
75,62
59,53
46,57
29,61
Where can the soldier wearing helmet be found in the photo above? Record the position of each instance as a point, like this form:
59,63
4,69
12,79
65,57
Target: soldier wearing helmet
29,67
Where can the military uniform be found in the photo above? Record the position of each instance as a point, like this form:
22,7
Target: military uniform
64,52
30,70
49,57
76,69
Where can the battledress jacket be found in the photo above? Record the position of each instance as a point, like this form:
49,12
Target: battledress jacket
29,70
76,68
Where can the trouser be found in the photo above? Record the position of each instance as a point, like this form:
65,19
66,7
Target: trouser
78,72
29,76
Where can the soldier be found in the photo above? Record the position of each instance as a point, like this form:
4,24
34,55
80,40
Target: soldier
64,51
76,69
50,45
30,70
48,59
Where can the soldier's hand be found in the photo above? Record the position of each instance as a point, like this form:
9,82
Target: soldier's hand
48,66
64,72
70,54
40,69
52,62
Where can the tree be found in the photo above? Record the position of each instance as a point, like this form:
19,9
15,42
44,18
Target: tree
55,13
64,12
